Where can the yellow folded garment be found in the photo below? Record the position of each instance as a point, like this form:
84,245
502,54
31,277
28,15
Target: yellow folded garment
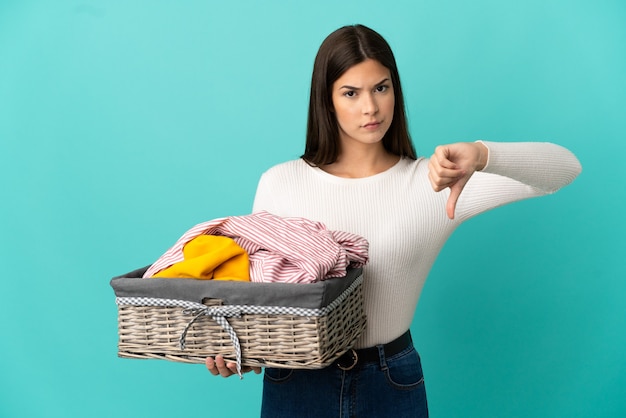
210,257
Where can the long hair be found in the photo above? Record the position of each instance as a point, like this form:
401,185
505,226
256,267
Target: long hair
341,50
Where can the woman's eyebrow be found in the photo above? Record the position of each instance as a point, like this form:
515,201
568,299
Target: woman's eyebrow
359,88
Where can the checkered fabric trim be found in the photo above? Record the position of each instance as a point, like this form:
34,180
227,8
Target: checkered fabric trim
220,313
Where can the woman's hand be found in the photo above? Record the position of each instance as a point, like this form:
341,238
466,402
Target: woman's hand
452,166
217,366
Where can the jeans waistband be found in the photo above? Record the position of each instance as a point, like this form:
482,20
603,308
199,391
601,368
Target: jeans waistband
371,355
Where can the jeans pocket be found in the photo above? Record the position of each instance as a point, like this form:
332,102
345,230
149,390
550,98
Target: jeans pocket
275,375
404,371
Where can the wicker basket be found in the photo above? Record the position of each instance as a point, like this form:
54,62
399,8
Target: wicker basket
305,326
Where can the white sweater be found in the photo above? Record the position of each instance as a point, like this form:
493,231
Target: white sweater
404,220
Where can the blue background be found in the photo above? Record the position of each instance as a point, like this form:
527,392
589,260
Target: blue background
124,123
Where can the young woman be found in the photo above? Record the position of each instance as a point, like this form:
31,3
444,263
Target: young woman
359,173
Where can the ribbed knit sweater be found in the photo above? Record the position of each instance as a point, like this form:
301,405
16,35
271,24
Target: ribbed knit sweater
404,220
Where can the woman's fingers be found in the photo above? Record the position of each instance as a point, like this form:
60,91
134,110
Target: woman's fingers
451,166
218,366
442,157
223,368
441,177
211,367
455,192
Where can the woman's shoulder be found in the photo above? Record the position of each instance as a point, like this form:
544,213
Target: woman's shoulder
411,166
287,167
287,171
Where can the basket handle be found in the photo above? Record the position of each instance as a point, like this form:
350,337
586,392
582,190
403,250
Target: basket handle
220,315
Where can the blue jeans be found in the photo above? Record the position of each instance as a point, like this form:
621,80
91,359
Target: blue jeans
391,387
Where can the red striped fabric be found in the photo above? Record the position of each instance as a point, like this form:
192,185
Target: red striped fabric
288,250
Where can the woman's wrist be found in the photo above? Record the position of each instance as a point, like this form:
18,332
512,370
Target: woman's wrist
483,155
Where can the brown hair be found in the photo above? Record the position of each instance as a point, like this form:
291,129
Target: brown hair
341,50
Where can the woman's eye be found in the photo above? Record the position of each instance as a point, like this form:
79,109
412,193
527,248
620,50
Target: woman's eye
380,89
350,93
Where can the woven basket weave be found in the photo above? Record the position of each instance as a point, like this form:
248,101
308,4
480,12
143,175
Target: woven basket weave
310,341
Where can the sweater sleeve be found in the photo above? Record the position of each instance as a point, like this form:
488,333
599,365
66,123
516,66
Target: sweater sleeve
516,171
263,199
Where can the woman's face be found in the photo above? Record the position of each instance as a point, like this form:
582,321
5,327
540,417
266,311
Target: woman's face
363,102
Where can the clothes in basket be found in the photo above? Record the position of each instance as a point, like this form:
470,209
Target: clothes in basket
280,249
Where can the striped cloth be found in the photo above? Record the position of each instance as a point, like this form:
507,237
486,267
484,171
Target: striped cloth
287,250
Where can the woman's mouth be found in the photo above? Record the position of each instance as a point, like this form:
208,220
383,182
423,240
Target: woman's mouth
371,125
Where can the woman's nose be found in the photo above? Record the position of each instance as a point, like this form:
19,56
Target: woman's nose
370,106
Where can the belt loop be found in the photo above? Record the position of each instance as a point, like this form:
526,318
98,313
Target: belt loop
381,357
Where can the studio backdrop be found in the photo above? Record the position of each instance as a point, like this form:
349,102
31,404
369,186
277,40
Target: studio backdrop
124,123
